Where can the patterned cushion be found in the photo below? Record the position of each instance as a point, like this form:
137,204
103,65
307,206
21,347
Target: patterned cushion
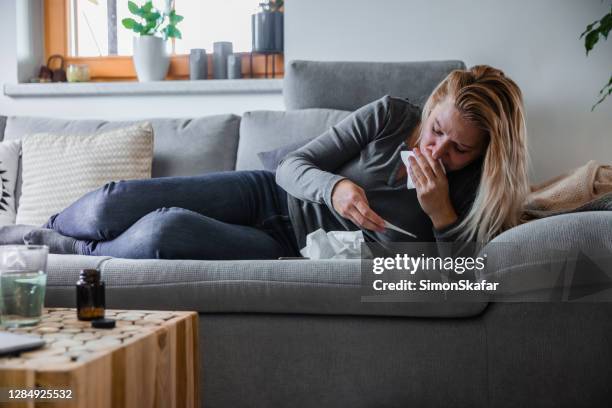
58,169
9,162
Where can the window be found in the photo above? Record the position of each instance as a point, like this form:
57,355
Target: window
96,30
90,31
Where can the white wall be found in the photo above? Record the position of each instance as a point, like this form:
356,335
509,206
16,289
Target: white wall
534,42
8,48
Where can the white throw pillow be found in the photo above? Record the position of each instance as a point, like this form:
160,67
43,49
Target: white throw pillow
58,169
9,163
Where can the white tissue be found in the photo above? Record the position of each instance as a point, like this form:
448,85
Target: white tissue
333,245
405,154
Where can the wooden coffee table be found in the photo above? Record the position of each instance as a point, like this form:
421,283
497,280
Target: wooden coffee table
150,359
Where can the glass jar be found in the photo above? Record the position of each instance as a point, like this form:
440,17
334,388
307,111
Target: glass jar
90,295
23,280
77,73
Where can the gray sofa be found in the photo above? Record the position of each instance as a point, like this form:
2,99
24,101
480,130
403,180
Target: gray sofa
295,333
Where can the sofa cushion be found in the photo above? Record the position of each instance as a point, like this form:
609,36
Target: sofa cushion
183,147
57,169
262,131
269,286
63,271
272,158
350,85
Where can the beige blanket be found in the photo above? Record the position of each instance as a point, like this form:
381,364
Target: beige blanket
573,191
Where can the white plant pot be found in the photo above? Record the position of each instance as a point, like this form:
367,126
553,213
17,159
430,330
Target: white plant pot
150,58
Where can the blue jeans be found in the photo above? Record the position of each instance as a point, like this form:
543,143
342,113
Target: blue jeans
224,215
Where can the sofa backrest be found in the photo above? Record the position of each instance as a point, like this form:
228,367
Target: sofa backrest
183,147
262,131
350,85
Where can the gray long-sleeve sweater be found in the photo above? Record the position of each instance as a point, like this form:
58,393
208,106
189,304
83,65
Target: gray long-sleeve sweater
365,148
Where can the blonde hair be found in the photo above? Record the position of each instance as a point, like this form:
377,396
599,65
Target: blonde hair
493,102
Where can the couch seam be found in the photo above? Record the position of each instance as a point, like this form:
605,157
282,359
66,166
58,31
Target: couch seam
100,266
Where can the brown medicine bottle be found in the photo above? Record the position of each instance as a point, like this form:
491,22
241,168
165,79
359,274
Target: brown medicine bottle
90,295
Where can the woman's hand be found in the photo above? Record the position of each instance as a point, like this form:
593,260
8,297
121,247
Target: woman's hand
432,188
350,201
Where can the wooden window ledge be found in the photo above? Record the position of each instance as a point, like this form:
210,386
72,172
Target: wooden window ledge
185,87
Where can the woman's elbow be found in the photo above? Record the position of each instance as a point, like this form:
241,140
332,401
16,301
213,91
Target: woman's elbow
281,171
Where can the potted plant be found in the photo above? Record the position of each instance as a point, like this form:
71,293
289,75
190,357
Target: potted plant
267,27
593,32
153,27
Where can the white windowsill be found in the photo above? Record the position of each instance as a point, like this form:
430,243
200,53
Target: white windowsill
211,86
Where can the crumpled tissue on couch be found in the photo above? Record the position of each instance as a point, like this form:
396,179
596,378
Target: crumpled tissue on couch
333,245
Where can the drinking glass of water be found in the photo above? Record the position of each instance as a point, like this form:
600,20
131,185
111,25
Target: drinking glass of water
23,280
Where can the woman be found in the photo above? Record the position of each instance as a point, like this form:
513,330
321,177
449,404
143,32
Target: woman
469,170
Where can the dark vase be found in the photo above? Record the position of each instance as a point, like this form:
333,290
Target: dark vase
267,31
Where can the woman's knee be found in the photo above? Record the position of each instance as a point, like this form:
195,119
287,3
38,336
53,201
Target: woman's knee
101,205
98,215
105,198
160,232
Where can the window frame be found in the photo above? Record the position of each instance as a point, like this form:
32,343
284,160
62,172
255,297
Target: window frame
121,68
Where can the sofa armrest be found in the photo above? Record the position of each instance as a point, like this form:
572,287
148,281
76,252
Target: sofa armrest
564,257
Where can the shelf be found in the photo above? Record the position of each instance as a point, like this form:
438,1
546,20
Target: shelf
203,87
